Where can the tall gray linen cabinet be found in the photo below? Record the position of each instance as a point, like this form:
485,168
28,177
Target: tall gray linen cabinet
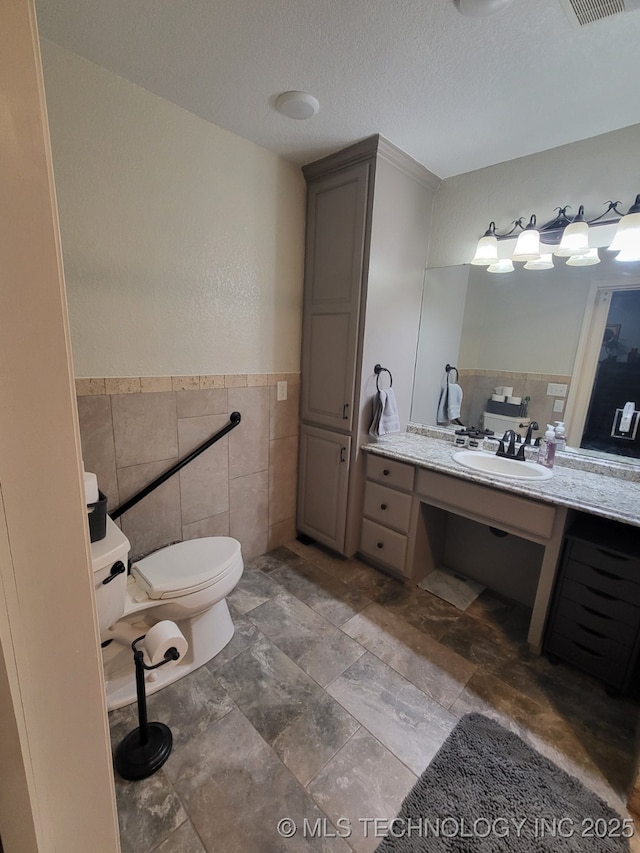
369,212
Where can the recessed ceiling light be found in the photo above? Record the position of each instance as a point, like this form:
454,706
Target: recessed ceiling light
481,8
298,105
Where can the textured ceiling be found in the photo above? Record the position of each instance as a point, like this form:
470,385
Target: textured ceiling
456,93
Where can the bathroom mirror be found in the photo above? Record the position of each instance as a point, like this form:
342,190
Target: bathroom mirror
524,329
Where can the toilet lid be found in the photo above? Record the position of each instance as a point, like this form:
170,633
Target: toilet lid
187,566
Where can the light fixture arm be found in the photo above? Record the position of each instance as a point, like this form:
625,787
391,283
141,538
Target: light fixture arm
551,231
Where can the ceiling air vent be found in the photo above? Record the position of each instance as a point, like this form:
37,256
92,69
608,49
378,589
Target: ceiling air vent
583,12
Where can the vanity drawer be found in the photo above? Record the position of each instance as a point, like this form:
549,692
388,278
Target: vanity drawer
387,506
391,473
590,620
619,565
604,580
487,505
610,669
601,603
383,545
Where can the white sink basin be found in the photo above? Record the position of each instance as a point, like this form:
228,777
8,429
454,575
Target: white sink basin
499,466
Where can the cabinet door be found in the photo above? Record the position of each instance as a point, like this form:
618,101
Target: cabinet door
334,262
323,481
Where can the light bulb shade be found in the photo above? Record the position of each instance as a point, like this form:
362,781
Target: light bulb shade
575,240
503,265
587,260
486,251
629,255
527,246
544,262
627,236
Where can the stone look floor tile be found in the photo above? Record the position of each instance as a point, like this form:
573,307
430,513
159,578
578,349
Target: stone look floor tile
253,589
364,780
190,706
235,790
225,784
291,712
183,840
434,669
245,634
323,592
399,715
317,646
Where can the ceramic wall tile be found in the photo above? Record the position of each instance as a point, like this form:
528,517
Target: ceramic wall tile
185,383
122,385
207,382
90,387
283,478
155,521
152,384
98,451
144,427
193,404
249,442
284,414
214,525
204,483
248,518
235,380
281,532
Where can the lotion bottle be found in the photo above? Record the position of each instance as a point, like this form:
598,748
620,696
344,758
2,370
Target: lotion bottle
561,436
547,451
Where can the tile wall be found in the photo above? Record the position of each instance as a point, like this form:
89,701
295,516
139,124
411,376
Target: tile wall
133,429
478,386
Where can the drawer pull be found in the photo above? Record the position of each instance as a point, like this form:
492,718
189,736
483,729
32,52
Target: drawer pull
595,612
606,574
587,650
380,545
592,632
345,412
383,506
612,555
602,594
386,472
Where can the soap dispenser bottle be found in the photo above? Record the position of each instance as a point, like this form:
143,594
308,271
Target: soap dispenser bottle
561,436
547,451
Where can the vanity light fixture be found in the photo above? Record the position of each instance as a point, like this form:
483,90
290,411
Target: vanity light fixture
569,234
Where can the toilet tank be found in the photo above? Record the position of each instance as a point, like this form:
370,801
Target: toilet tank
108,555
501,423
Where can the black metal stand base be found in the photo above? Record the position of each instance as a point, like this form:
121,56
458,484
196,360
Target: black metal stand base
135,760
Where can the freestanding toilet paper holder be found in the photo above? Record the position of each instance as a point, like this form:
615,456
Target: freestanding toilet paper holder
145,749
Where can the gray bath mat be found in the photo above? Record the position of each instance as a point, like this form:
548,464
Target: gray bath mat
452,587
486,791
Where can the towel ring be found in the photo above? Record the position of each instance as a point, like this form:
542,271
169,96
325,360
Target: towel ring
449,368
378,369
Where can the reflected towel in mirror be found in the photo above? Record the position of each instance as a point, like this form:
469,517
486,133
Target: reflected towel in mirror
385,413
449,403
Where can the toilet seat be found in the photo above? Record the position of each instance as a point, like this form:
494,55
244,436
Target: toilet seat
187,567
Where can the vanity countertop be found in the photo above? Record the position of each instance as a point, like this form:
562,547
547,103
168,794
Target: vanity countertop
607,493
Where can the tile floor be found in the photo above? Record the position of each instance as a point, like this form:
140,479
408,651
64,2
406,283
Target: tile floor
337,689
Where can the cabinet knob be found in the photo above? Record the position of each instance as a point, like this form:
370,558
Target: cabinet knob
383,506
380,545
386,472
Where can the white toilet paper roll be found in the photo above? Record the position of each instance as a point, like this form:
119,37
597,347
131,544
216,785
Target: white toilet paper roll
515,401
90,488
507,390
497,398
161,637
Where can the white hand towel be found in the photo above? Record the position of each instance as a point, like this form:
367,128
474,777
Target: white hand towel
385,413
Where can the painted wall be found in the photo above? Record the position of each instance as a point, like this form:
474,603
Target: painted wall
589,172
182,242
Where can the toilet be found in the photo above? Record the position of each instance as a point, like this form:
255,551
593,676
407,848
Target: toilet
186,583
501,423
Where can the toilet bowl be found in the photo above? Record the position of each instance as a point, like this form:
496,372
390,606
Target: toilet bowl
501,423
186,583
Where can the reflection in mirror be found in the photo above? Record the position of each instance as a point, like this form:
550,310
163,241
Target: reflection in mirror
519,331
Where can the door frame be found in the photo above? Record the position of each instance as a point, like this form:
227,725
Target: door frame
588,352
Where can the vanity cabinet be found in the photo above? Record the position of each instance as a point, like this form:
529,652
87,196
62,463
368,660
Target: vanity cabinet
595,618
368,220
387,513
